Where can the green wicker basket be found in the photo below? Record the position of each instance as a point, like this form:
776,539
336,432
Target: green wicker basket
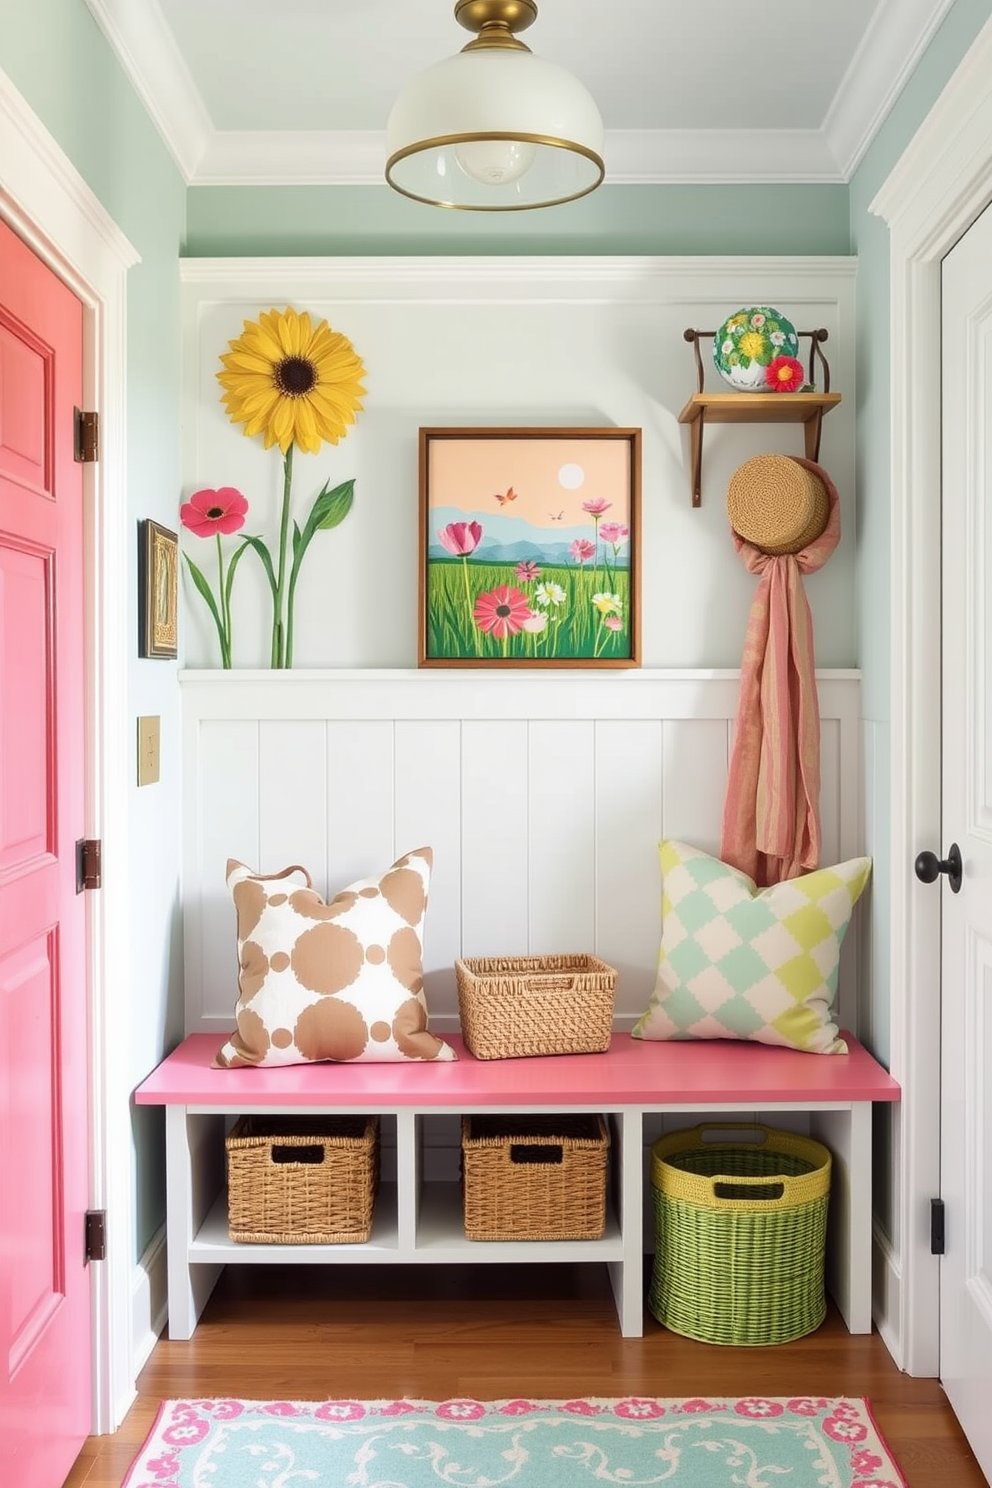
741,1226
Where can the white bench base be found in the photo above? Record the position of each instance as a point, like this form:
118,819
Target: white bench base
421,1222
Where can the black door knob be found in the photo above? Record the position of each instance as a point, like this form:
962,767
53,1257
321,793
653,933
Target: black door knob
929,867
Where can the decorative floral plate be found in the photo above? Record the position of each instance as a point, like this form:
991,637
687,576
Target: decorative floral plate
748,342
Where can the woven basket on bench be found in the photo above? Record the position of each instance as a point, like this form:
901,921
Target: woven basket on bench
534,1177
515,1006
308,1180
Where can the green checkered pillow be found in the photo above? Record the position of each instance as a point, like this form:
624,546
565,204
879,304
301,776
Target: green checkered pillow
742,963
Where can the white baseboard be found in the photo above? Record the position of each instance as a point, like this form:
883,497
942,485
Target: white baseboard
886,1294
149,1301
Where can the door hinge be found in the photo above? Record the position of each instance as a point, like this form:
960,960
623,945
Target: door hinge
87,438
96,1234
936,1227
89,864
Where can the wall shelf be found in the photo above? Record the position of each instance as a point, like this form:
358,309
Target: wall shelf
807,409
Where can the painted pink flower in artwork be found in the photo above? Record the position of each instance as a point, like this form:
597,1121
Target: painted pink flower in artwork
614,533
208,511
501,612
582,550
460,1410
461,538
526,571
596,508
536,622
613,622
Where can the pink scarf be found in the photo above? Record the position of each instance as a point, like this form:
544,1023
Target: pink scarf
771,813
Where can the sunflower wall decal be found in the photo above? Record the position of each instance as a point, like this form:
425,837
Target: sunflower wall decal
297,384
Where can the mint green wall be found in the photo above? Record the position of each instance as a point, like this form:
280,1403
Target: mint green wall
55,55
870,242
342,220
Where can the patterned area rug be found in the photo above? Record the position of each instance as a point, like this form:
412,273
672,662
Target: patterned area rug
756,1442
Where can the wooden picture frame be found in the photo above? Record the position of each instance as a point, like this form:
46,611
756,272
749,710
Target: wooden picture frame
158,591
529,547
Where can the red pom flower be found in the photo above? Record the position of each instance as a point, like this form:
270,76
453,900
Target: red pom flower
784,374
207,512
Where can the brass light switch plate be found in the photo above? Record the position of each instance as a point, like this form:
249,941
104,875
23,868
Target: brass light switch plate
148,749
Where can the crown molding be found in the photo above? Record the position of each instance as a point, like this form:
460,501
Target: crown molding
147,51
895,41
633,158
525,277
41,187
935,179
685,157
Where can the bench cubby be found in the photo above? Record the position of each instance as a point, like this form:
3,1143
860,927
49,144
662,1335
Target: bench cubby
638,1086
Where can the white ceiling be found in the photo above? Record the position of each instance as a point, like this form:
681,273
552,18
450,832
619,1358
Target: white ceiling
298,91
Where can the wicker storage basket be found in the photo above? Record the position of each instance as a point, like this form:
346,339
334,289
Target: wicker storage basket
302,1179
515,1006
740,1234
534,1177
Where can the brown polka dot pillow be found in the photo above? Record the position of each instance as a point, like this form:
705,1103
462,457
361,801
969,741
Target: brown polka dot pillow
339,981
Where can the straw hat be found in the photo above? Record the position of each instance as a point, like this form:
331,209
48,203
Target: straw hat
779,504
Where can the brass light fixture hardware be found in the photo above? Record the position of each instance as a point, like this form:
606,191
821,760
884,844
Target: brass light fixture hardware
494,128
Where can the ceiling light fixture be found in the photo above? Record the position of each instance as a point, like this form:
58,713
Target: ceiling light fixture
494,128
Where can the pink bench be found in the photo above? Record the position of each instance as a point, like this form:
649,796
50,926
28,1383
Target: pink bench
634,1083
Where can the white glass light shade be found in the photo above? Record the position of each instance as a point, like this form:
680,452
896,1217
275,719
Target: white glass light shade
453,133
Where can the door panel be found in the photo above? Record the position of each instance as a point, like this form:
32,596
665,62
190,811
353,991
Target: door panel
966,917
25,602
45,1339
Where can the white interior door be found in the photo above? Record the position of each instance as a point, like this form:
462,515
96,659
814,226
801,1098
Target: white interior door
966,916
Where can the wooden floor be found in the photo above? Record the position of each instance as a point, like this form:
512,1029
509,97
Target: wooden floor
309,1333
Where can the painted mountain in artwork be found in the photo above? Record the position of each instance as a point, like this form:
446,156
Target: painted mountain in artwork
513,540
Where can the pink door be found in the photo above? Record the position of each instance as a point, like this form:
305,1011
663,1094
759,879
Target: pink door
44,1287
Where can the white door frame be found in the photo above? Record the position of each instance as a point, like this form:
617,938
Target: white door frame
942,182
46,201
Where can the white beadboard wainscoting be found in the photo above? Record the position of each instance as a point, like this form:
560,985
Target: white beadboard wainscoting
542,794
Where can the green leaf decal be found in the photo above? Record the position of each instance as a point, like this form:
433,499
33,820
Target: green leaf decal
204,589
259,547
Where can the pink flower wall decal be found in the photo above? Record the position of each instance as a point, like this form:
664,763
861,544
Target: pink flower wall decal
209,513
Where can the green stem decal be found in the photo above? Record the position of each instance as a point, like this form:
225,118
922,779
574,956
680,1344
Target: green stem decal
278,620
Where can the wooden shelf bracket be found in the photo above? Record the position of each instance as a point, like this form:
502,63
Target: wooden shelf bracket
756,408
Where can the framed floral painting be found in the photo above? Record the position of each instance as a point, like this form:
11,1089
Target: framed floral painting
529,547
158,590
